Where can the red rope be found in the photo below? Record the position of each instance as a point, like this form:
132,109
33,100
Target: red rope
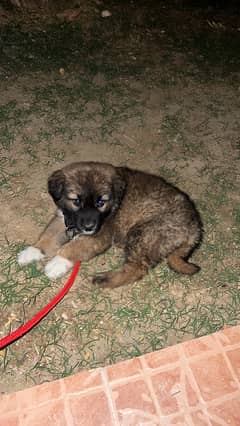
5,341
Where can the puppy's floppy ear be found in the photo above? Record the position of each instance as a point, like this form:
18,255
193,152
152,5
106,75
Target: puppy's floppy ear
56,184
119,187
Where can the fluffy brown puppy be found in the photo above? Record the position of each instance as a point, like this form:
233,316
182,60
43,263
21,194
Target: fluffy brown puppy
101,205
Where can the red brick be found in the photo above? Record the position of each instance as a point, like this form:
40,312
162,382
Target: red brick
133,397
51,413
200,418
229,336
10,419
234,357
173,390
228,412
90,409
162,358
200,346
8,403
123,370
83,381
32,397
213,377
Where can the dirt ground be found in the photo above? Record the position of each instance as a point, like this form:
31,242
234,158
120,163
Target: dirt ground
154,87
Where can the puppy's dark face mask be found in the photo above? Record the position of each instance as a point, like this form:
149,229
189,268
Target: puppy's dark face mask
86,215
85,205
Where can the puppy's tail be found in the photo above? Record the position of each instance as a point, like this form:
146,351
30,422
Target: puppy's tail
179,263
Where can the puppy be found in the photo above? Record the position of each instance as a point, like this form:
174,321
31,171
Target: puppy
100,205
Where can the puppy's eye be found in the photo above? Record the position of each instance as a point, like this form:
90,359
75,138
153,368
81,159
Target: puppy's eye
76,202
100,202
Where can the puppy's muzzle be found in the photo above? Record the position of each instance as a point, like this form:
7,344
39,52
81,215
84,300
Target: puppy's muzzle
88,221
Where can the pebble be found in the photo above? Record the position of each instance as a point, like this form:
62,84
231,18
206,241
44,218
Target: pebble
105,14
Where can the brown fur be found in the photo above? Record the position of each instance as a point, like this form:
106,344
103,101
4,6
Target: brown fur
149,218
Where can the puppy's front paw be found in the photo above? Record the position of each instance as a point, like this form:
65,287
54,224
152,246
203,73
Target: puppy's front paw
28,255
57,267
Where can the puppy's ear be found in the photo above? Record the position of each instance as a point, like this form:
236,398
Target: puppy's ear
119,187
56,184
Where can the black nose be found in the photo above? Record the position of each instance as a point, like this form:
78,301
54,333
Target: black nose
88,220
89,225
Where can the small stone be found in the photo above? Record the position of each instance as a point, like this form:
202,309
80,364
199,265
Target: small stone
105,14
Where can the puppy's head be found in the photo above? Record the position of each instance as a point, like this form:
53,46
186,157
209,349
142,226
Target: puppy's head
87,194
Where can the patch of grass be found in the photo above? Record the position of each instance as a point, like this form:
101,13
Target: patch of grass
30,148
16,284
7,173
172,124
6,137
112,106
236,234
10,112
62,46
236,215
230,275
12,118
217,49
109,75
173,127
48,48
92,328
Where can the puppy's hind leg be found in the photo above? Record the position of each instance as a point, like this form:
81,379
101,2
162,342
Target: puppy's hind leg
136,265
52,238
128,274
178,261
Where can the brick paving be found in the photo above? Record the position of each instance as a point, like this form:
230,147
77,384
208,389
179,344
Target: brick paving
196,383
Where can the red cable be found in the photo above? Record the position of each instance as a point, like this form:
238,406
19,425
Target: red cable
5,341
